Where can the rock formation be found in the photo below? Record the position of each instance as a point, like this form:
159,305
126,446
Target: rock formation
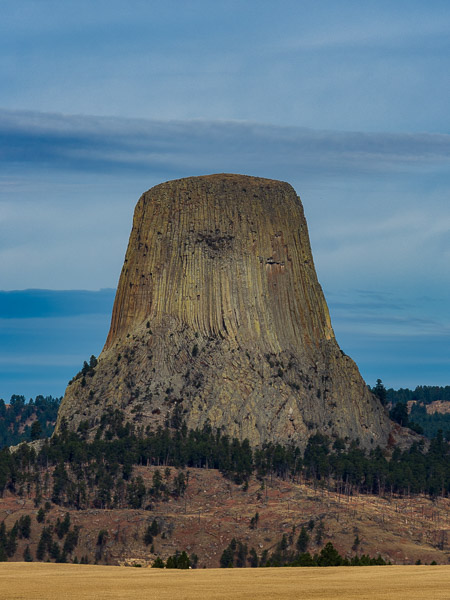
219,318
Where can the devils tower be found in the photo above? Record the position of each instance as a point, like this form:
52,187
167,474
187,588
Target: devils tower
219,319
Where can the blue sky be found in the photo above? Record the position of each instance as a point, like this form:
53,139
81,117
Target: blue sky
347,101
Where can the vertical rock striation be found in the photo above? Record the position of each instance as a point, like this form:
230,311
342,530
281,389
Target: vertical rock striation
219,318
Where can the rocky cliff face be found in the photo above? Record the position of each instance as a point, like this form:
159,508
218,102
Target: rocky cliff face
219,318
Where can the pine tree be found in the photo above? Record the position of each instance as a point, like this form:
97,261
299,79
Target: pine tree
154,528
158,564
27,555
40,517
329,557
380,392
24,526
303,541
253,559
36,431
319,533
254,521
55,551
148,536
241,557
227,558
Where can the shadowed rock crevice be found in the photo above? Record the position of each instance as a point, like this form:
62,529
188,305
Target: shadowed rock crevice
219,318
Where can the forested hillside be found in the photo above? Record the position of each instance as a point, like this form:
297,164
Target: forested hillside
92,473
25,421
100,473
146,470
420,414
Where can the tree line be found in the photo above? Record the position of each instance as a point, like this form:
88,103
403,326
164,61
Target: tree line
422,393
288,554
75,472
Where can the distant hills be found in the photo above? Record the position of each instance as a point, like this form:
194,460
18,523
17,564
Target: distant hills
22,421
427,406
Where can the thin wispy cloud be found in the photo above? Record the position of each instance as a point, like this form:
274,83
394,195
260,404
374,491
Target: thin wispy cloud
93,143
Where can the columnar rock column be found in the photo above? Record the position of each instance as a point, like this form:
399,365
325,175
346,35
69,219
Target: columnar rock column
219,318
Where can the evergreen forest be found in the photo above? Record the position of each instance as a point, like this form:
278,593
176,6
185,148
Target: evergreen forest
22,421
79,473
417,418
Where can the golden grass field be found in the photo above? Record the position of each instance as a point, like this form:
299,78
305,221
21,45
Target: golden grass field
40,581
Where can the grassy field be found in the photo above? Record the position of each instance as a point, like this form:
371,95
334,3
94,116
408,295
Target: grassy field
40,581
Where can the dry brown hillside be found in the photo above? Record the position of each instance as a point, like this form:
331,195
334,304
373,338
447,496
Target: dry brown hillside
214,510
